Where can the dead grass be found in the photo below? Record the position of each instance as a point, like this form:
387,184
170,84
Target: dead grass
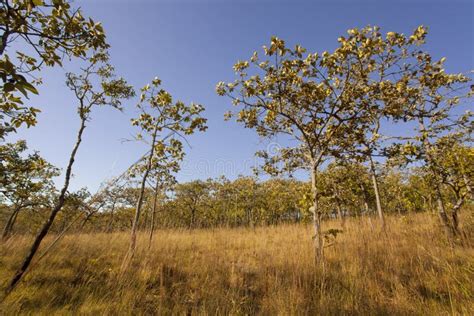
409,271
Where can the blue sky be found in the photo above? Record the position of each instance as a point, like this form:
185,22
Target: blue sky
191,45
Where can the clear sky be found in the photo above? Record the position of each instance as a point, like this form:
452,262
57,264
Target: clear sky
192,45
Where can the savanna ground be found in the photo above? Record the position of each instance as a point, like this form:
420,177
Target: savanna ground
269,270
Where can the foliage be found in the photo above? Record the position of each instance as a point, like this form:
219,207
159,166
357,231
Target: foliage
24,180
52,30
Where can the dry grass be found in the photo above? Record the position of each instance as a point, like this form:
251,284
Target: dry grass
268,271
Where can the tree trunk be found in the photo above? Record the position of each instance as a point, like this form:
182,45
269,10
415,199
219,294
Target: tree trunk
430,203
317,216
341,215
47,225
377,193
155,200
455,211
366,199
400,203
443,215
249,217
146,215
193,218
367,211
7,230
338,207
111,221
138,208
86,219
468,185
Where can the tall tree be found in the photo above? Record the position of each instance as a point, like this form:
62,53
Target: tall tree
323,103
95,86
431,99
164,126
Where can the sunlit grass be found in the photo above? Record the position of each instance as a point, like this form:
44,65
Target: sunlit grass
267,270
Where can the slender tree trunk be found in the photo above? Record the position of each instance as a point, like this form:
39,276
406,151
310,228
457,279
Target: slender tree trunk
455,212
111,221
339,208
86,219
155,200
247,213
193,218
424,202
468,185
138,208
367,211
366,207
399,203
443,215
317,218
366,201
430,204
341,215
377,193
146,212
7,230
47,225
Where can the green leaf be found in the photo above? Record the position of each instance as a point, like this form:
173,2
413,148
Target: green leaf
28,86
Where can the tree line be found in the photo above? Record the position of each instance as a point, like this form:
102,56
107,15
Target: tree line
346,191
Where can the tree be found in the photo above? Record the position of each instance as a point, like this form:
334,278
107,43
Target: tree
280,198
113,197
95,86
346,185
235,202
164,180
431,97
25,181
453,163
164,126
193,198
52,29
322,103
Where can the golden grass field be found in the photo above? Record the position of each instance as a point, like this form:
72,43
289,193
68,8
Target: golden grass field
270,270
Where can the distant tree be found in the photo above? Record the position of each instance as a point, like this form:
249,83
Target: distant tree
238,200
346,186
113,196
51,29
164,180
280,199
164,125
95,86
90,204
24,181
193,198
